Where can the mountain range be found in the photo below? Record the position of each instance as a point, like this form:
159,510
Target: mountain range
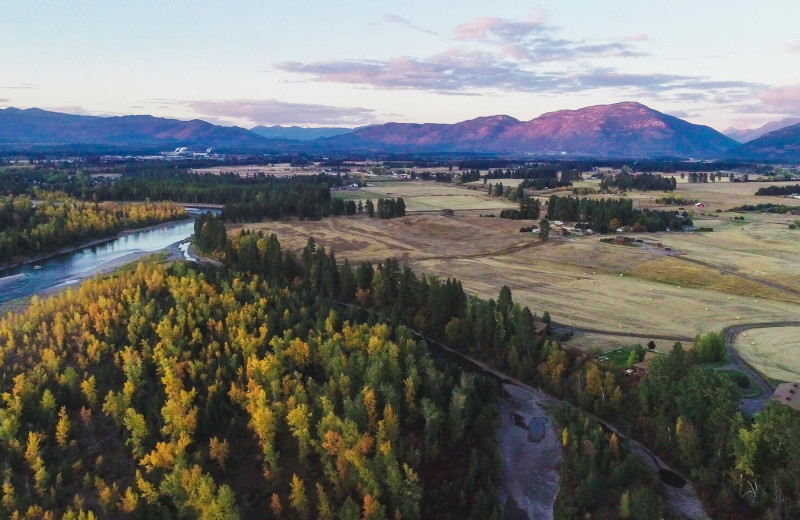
782,146
299,133
42,129
747,135
618,130
621,130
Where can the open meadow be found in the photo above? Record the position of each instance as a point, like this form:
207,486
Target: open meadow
744,271
774,351
722,195
429,196
613,295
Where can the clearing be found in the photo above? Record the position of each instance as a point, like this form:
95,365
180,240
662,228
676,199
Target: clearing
774,351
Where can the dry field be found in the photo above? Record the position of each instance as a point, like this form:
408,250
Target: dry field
577,280
742,272
278,170
774,351
721,195
429,196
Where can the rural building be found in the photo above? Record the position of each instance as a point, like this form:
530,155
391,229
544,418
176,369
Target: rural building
641,369
623,241
542,329
562,231
788,394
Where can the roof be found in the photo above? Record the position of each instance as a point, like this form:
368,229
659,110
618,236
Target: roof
541,326
788,394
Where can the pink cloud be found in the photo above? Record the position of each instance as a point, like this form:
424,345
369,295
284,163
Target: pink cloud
504,29
638,37
785,98
273,111
477,29
393,18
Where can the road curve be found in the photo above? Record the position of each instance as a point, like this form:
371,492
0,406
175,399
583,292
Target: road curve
754,404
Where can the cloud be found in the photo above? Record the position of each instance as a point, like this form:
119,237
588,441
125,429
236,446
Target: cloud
793,46
275,112
784,99
506,31
533,40
393,18
458,71
3,100
21,86
638,37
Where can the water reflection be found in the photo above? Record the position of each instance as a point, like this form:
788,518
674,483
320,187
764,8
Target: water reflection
71,268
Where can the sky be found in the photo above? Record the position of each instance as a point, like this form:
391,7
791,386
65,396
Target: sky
726,64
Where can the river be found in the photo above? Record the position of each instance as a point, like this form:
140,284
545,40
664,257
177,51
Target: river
70,268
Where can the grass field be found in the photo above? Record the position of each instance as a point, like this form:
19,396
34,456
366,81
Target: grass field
580,281
775,352
430,196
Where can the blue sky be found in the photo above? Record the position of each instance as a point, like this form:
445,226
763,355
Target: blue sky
721,63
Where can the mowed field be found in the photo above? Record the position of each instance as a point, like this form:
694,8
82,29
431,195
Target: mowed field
775,351
721,195
429,196
742,272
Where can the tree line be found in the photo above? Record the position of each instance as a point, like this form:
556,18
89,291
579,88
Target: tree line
641,181
28,229
605,215
178,393
778,190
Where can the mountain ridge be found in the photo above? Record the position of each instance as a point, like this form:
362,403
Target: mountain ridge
782,145
620,130
749,134
626,129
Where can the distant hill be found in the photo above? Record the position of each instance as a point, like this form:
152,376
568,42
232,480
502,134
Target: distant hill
746,135
782,146
298,133
622,130
34,127
619,130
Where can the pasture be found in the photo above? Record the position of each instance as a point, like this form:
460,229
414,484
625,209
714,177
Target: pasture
429,196
774,351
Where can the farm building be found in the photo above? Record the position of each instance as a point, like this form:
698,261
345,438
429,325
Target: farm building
542,329
788,394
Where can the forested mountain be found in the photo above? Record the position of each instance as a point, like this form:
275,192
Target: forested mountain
36,127
744,136
298,133
781,145
619,130
622,130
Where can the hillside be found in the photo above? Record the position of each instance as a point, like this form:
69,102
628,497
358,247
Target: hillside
34,127
622,130
619,130
747,135
298,133
778,146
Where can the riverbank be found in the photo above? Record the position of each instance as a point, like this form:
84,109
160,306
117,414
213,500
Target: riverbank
83,245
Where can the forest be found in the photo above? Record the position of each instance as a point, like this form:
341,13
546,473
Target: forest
55,222
778,190
606,215
178,393
642,182
294,385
